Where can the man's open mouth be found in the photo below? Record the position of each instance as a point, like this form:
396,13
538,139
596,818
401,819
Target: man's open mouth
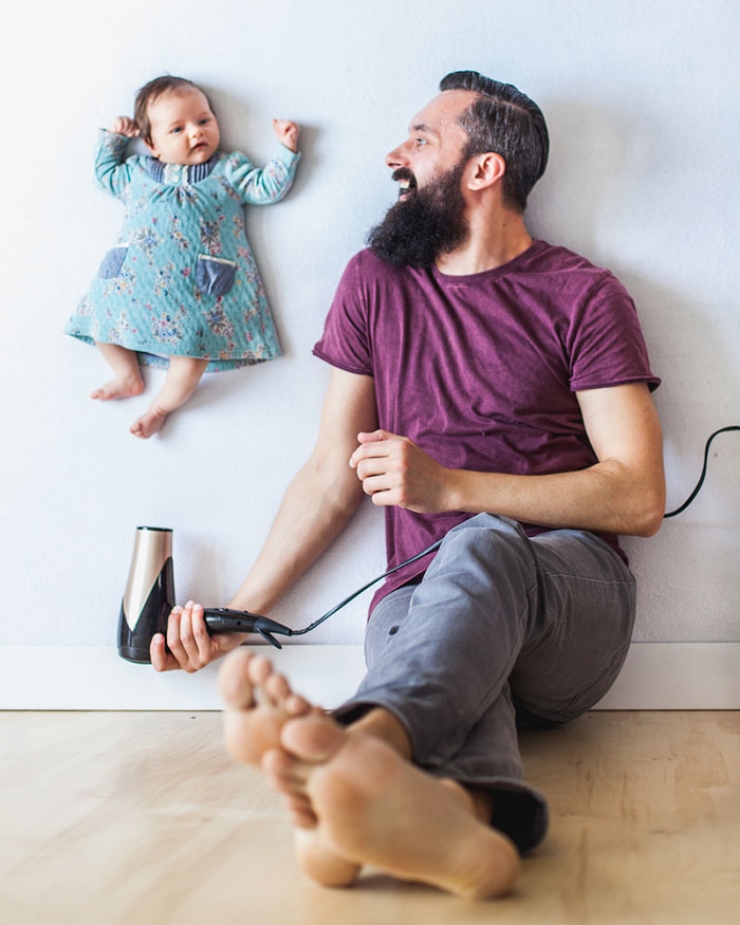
406,181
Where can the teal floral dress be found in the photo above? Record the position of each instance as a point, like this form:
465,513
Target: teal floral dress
182,281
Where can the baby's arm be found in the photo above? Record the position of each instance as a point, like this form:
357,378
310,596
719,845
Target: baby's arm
112,172
287,133
124,125
261,185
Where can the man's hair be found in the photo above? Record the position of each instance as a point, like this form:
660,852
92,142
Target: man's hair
506,121
151,92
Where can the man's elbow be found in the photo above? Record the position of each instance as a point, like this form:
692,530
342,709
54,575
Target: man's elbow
332,479
649,514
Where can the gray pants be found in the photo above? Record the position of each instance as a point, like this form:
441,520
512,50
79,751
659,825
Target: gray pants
503,631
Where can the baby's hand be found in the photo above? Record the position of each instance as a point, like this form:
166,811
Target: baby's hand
287,133
123,125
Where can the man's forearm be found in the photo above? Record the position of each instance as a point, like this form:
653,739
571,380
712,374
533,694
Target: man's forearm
606,497
315,509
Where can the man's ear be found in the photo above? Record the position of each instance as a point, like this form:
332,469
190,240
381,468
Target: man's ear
487,169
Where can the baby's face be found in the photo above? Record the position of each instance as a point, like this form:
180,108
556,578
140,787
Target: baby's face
184,130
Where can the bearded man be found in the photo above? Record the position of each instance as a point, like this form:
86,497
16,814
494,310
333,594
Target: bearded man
492,391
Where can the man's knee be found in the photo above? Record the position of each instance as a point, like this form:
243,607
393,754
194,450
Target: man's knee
488,557
496,542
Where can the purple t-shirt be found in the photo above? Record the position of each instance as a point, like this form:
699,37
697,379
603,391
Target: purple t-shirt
481,371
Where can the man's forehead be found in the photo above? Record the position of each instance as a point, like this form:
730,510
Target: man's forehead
443,111
423,127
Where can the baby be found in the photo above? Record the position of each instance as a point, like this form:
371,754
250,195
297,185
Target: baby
180,288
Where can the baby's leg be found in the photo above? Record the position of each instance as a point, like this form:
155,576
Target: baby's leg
125,365
180,382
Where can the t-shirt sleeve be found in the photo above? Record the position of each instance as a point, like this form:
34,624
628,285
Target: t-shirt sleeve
606,342
346,341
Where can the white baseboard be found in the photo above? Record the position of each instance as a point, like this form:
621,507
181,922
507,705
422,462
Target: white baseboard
656,676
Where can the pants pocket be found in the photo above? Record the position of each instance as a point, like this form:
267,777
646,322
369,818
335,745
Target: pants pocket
112,262
215,275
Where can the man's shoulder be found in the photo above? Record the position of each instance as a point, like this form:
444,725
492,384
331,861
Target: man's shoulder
572,271
559,257
365,272
366,263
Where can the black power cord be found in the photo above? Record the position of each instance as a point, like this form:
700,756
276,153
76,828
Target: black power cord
329,613
223,620
697,489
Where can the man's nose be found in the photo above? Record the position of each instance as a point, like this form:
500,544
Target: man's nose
397,157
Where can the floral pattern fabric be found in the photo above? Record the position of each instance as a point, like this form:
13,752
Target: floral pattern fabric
182,280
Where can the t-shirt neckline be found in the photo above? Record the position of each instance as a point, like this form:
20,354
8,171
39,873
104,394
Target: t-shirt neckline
447,279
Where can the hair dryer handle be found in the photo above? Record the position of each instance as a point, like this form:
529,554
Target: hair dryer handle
223,620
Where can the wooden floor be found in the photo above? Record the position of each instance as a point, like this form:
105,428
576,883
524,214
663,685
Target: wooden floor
141,819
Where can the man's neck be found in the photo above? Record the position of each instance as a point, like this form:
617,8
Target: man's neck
489,245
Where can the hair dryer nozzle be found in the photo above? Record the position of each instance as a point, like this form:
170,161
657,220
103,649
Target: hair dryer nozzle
150,594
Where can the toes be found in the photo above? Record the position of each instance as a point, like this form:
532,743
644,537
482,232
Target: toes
233,681
245,677
283,771
288,777
321,863
278,765
313,738
302,817
259,670
295,706
276,689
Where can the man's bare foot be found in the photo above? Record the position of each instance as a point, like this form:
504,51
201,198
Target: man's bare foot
373,807
148,424
259,702
124,387
353,799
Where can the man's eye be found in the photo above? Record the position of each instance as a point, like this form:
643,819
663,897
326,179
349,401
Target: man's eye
420,142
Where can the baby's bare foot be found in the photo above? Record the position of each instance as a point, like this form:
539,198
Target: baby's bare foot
125,387
373,807
149,423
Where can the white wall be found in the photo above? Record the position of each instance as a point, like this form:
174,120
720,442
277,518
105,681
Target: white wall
642,103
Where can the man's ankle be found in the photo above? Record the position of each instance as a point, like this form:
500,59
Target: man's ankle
384,725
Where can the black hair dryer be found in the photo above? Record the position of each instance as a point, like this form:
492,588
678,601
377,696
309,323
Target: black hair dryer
150,593
150,596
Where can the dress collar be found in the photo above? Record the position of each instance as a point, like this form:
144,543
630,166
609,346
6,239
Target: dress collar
173,174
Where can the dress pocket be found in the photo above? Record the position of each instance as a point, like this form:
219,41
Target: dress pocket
215,275
112,262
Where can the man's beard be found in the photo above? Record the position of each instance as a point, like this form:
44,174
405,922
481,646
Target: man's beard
428,223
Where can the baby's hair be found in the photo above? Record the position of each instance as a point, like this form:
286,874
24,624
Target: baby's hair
151,92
